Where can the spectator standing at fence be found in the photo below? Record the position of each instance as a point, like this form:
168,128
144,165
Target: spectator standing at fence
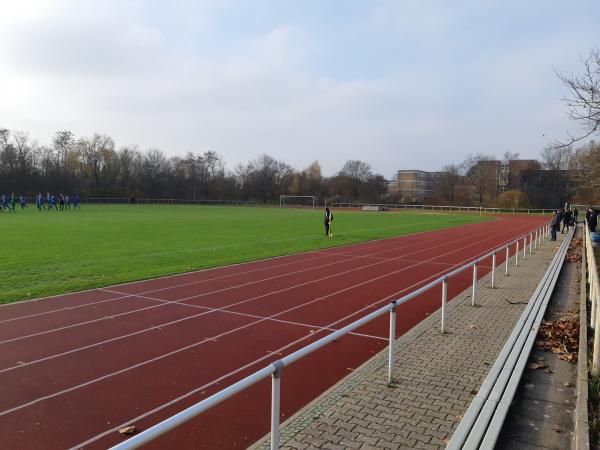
554,225
593,220
75,201
566,220
22,202
559,213
67,202
327,222
13,202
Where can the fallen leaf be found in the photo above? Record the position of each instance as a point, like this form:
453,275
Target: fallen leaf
474,391
537,365
556,428
127,430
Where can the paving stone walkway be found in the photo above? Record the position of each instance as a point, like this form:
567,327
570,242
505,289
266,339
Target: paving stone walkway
435,376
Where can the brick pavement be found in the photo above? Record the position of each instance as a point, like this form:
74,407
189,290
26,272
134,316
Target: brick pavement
435,376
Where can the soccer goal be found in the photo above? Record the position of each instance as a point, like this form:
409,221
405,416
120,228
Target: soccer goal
297,201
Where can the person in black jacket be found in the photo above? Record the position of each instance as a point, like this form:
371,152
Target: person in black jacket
559,215
327,222
566,220
592,219
554,224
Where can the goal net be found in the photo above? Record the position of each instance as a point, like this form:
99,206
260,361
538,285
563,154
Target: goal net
297,201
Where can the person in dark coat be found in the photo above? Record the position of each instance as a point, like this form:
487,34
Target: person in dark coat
554,224
575,214
566,220
327,221
593,220
559,215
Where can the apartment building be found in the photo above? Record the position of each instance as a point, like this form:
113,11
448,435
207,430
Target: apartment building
415,185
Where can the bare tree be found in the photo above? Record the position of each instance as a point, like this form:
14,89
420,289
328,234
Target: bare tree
556,157
584,97
586,173
448,180
481,175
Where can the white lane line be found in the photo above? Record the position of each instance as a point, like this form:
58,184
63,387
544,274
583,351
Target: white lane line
127,295
379,258
54,330
196,344
324,251
206,311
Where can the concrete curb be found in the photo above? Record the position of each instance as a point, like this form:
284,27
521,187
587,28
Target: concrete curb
582,432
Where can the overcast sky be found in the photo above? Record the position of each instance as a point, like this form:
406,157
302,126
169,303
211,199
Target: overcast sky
399,84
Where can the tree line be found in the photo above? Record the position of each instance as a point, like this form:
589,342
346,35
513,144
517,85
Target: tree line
95,167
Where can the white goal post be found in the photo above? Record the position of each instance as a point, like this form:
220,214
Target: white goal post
302,200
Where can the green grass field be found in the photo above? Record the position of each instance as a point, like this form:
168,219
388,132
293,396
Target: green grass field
46,253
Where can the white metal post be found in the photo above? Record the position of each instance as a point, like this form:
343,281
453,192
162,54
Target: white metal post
517,255
530,243
590,270
506,260
525,247
275,405
535,237
493,270
474,284
596,318
444,298
392,342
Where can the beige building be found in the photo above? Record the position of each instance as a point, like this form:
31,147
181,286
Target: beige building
415,185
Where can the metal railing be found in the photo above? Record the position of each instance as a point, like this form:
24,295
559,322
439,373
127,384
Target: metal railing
533,239
447,208
594,297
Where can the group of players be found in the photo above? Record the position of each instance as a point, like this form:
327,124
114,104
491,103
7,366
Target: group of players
48,202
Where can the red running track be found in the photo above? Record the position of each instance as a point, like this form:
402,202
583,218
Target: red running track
75,368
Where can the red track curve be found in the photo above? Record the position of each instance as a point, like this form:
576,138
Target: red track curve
76,367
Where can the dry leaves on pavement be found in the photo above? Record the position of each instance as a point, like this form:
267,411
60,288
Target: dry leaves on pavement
560,337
